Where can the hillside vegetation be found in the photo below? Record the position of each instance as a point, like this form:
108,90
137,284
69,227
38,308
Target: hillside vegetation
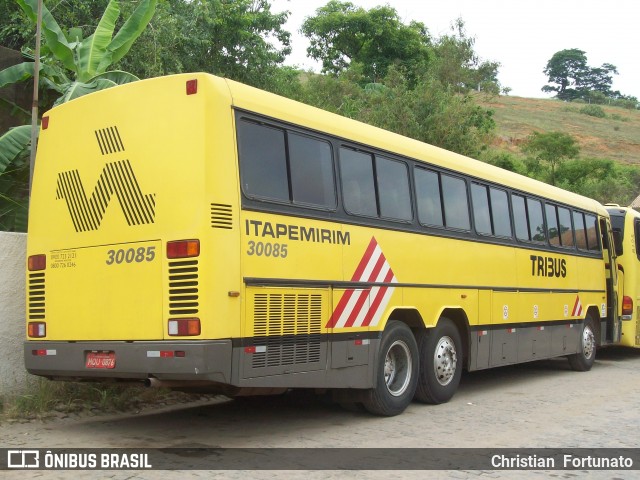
614,137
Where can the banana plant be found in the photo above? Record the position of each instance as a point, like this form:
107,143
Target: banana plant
71,66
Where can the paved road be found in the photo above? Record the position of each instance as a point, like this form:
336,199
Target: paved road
541,404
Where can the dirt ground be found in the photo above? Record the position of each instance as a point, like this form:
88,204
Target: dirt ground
540,404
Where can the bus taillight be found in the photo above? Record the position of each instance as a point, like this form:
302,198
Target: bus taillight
192,86
37,262
37,329
627,308
183,248
184,327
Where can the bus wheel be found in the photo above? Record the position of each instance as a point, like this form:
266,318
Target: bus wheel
583,360
397,372
440,363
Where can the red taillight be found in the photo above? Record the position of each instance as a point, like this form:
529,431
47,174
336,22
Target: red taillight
183,248
45,123
192,87
37,329
627,308
37,262
184,327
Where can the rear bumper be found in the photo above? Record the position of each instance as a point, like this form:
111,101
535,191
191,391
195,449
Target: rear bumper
202,360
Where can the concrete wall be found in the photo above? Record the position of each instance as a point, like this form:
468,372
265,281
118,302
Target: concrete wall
13,377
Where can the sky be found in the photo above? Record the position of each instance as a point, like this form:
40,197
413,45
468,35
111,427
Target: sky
521,35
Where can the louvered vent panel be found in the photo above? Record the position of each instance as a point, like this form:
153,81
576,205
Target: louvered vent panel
289,326
183,287
36,294
221,216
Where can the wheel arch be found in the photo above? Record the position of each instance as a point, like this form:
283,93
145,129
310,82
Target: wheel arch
593,312
459,318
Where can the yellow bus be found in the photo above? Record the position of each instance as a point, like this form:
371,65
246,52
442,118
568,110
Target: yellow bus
194,232
625,222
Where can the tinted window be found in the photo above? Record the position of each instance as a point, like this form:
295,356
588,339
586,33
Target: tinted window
552,225
428,197
581,236
500,212
520,217
263,161
481,213
591,224
393,189
311,171
456,204
536,220
356,170
566,232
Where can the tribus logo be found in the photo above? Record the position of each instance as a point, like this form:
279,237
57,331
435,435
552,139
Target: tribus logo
116,178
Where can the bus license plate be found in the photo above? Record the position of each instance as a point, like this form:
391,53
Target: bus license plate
101,360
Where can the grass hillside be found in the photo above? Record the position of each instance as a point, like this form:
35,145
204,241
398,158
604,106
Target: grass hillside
614,137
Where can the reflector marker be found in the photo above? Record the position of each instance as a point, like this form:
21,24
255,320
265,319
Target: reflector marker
44,353
165,353
482,333
256,349
511,330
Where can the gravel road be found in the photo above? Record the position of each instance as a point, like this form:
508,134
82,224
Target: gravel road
540,404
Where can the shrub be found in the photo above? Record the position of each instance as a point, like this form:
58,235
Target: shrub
593,111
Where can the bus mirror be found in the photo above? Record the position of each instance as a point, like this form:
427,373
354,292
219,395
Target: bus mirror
617,241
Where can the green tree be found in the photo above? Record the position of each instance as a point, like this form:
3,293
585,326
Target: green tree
231,38
573,78
427,111
72,66
341,34
601,179
455,62
550,150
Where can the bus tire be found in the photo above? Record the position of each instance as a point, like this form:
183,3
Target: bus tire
397,372
582,361
440,363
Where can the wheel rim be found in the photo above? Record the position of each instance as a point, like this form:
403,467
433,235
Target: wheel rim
588,342
397,368
445,361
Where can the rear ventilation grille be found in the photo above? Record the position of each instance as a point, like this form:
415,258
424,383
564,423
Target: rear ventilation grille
289,326
183,287
221,216
36,296
109,140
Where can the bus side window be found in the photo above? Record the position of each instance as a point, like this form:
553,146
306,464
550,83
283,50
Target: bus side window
393,189
520,218
566,230
552,225
481,212
358,188
500,212
581,235
591,224
428,197
456,203
536,221
311,165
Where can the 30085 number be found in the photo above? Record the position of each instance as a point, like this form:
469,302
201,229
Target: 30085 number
266,249
131,255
